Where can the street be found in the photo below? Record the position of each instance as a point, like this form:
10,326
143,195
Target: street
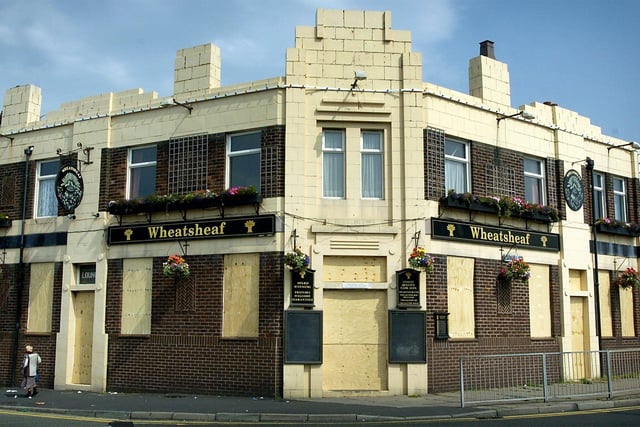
620,417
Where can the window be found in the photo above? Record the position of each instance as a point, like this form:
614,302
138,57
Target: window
533,181
46,188
372,165
333,163
619,200
599,207
243,151
142,171
456,166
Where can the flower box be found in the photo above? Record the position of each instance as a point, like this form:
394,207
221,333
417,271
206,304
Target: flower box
620,230
5,223
454,202
241,199
537,216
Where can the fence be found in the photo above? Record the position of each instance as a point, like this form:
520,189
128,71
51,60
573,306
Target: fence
547,376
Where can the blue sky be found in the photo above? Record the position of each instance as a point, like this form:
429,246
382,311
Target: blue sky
581,54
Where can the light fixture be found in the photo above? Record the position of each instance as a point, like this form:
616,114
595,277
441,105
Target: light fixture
635,145
359,75
29,150
71,216
525,115
167,102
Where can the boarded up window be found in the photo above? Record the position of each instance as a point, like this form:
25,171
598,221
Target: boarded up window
241,279
460,297
539,301
366,269
40,297
626,311
606,324
136,296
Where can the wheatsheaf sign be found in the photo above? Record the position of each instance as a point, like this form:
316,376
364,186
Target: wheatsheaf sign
263,225
480,233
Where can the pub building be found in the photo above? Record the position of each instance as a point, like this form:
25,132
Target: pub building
144,237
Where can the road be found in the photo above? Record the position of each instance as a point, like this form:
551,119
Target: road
620,417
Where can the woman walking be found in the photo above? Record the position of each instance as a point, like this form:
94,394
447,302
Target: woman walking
30,371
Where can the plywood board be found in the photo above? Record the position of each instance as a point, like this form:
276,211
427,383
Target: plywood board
362,269
460,297
136,296
355,340
606,324
626,312
241,295
539,301
83,303
40,297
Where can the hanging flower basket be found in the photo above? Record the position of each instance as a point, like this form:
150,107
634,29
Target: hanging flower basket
296,260
515,269
176,266
421,260
628,278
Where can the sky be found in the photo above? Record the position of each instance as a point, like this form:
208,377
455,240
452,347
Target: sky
583,55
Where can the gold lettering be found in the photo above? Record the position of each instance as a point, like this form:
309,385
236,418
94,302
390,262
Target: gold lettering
451,228
249,225
128,232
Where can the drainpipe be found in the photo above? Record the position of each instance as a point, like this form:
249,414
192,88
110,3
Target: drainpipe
596,278
27,154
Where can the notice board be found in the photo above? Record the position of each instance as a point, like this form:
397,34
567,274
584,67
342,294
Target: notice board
303,336
407,336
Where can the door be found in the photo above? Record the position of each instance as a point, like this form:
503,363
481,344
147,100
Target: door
354,340
83,337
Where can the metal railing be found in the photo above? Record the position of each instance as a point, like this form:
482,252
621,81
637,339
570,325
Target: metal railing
547,376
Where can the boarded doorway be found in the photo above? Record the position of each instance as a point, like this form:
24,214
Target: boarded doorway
354,340
83,337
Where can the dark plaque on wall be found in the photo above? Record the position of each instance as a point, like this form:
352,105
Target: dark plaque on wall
303,336
407,336
408,287
302,288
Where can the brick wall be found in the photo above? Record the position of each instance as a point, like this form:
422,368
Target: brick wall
185,351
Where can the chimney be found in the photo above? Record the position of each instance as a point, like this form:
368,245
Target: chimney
486,49
489,78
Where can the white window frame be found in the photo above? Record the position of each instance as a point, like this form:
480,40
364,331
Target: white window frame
450,159
372,166
539,177
138,165
50,181
619,200
238,153
340,166
599,199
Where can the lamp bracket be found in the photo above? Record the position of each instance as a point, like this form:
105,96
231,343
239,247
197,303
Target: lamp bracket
79,148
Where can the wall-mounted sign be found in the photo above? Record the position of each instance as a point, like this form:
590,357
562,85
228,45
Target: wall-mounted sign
263,225
479,233
87,274
69,187
302,288
573,190
408,287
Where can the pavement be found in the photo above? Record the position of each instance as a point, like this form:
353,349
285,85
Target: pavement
125,408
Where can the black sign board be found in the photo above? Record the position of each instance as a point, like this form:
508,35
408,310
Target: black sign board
87,274
479,233
263,225
303,336
302,288
407,336
408,287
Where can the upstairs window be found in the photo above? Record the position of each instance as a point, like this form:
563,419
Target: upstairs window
243,160
619,200
533,181
142,172
372,165
47,203
599,205
456,166
333,163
